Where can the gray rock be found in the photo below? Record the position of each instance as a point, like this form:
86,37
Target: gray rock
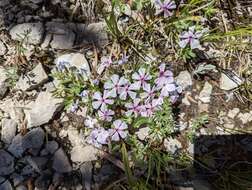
82,153
226,83
63,37
17,179
37,163
205,94
201,185
94,33
32,79
9,128
3,48
34,139
86,173
43,109
143,133
52,146
36,1
61,163
16,147
172,145
184,79
21,187
76,60
2,179
34,31
3,82
6,185
6,163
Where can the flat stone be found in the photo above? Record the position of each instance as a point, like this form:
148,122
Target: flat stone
32,79
232,113
43,109
205,94
3,48
184,79
6,163
63,37
35,32
82,153
9,128
94,33
34,139
143,133
226,83
52,146
13,108
76,60
86,173
16,147
61,163
37,163
21,187
172,145
6,185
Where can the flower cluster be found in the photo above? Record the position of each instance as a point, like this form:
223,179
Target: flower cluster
139,95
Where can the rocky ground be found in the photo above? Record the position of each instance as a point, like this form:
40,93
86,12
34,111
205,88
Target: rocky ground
42,145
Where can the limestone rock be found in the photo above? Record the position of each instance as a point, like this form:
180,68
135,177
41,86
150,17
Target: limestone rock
84,153
9,128
172,145
3,48
226,83
3,82
43,109
32,79
184,79
61,163
34,31
205,94
63,37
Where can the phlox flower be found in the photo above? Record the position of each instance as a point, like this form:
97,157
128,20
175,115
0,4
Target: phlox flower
84,95
134,107
151,107
105,114
119,130
114,84
191,37
149,92
105,63
127,90
98,137
123,60
168,89
62,65
141,77
164,76
100,100
74,106
165,7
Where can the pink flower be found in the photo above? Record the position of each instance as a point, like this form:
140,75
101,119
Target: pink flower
127,90
190,37
164,77
149,92
133,108
105,63
119,130
105,114
114,84
165,7
101,100
168,89
98,137
141,78
151,107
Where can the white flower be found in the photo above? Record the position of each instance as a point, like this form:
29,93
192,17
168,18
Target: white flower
133,108
190,37
105,114
101,100
90,122
114,84
127,89
149,92
141,77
